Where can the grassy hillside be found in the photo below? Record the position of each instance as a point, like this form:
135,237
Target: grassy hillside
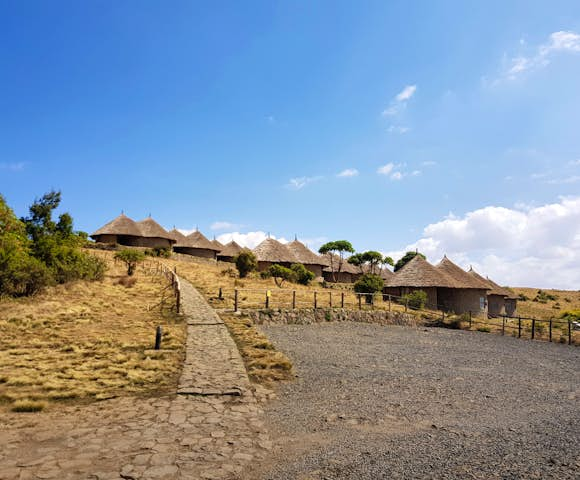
87,341
550,304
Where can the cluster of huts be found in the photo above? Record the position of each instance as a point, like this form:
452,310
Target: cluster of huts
448,286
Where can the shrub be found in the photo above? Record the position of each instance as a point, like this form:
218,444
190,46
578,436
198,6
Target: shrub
265,275
303,275
163,252
246,262
484,329
523,297
416,300
28,406
131,258
229,272
127,281
406,259
572,315
281,274
369,284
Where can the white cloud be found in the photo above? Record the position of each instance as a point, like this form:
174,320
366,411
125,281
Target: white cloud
225,226
249,240
406,93
12,167
536,246
400,101
299,183
429,163
386,169
564,181
398,129
541,56
349,172
574,163
396,176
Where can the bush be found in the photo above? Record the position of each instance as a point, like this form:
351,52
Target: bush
303,275
572,315
523,297
369,284
265,275
131,258
246,262
281,274
416,300
162,252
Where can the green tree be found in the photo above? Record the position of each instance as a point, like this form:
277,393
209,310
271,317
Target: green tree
303,275
416,300
406,259
338,248
281,274
131,258
369,284
246,262
358,261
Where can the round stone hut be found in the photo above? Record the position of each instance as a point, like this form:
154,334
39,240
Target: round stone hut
197,245
307,257
271,251
229,251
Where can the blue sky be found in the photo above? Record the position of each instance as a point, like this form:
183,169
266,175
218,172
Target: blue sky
242,116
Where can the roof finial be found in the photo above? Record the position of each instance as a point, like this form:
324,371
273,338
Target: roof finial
149,214
196,228
122,212
416,250
268,234
295,237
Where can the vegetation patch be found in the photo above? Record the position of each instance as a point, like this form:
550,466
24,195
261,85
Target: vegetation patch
263,362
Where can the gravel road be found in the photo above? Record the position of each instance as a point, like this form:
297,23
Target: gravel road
373,402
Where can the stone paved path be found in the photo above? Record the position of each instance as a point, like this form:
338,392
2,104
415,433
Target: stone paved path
188,436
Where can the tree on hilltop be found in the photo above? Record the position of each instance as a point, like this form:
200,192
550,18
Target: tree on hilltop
338,248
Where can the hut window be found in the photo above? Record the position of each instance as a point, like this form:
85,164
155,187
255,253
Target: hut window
482,303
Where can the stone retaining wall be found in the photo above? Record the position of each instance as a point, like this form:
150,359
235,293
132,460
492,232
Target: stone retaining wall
309,315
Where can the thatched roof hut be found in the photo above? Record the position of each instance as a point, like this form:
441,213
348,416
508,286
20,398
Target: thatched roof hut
151,229
461,278
348,272
177,235
120,226
271,251
217,244
418,273
229,251
500,301
198,245
313,262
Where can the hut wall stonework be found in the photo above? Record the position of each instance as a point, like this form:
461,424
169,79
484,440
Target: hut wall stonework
196,252
432,299
342,277
462,300
495,305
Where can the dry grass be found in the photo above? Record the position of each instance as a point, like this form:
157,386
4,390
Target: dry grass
263,362
88,341
564,300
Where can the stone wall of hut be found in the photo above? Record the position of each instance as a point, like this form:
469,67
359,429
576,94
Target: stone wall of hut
462,300
495,305
341,277
432,299
510,306
151,242
196,252
110,239
315,269
222,258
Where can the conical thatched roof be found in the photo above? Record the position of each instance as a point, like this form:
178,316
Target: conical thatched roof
418,273
198,240
303,254
217,244
461,277
177,235
150,228
494,288
122,225
230,249
346,267
271,250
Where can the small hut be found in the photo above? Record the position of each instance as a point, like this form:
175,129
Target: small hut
154,235
217,243
122,230
271,251
500,301
229,251
419,274
197,245
177,235
348,272
468,293
307,257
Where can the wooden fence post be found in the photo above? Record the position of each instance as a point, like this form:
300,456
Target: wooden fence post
519,327
406,304
158,334
315,300
220,294
330,299
569,332
267,299
533,328
389,303
359,301
503,325
470,319
342,300
550,329
293,299
236,300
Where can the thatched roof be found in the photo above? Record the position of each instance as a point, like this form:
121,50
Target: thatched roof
346,267
217,244
122,225
418,273
151,229
198,240
230,249
303,254
177,235
461,278
271,250
494,288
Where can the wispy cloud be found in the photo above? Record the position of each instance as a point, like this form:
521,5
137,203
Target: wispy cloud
574,163
400,101
348,172
12,166
398,129
397,171
299,183
386,169
564,181
271,119
539,57
429,163
225,226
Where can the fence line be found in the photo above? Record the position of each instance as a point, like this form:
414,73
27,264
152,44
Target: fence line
158,268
